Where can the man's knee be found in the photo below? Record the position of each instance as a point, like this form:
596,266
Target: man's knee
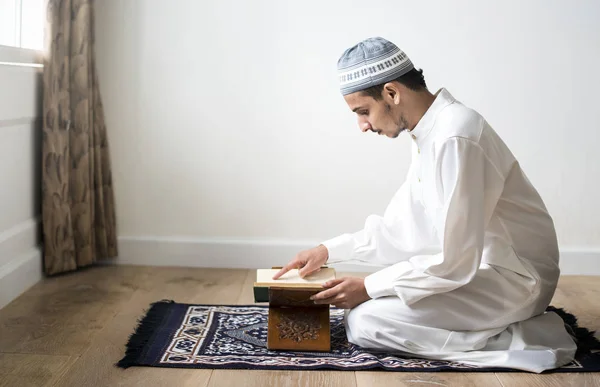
359,324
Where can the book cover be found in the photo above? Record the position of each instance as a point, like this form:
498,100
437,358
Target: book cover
290,280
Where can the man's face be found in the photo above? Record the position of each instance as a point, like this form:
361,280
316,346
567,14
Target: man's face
382,116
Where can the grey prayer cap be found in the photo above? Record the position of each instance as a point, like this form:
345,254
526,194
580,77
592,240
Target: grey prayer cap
371,62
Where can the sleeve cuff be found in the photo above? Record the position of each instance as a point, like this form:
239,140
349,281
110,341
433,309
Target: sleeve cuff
381,283
340,248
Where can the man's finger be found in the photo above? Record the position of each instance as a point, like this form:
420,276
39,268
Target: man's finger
325,294
307,270
332,300
285,269
333,282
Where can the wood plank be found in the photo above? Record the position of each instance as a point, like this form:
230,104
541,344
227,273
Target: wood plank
61,315
549,380
246,296
422,379
185,285
190,285
578,295
246,378
96,366
32,370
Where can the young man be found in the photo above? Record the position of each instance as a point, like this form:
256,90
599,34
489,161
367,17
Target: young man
470,251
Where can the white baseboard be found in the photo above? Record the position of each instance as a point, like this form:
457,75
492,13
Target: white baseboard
20,238
20,259
258,254
19,275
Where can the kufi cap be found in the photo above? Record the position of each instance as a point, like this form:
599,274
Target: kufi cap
373,61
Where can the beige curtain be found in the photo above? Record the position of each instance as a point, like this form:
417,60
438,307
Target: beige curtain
78,210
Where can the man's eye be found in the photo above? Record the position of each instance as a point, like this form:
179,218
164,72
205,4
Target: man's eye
364,113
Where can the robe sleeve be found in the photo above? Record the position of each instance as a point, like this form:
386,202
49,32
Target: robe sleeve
386,239
467,188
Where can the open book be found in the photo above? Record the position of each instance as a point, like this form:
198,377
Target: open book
291,279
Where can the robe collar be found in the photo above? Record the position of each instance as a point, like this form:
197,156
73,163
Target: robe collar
443,98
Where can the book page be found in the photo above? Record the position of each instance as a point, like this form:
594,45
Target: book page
265,277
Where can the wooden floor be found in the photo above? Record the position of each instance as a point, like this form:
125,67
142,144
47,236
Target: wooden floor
70,330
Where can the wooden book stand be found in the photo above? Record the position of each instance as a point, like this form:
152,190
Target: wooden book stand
296,323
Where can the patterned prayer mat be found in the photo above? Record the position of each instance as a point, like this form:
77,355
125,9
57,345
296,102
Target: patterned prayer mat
234,337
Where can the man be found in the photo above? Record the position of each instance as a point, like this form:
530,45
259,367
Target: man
469,249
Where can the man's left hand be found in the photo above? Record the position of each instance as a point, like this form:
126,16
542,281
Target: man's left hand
345,293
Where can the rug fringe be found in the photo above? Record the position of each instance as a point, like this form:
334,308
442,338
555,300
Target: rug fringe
585,338
143,332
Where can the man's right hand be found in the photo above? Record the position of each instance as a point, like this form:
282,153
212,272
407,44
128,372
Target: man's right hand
308,261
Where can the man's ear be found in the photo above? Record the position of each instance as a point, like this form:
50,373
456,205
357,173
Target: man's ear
391,92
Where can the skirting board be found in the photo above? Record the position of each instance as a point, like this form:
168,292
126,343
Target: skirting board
18,239
19,275
257,254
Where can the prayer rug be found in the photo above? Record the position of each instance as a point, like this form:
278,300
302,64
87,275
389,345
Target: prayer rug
234,337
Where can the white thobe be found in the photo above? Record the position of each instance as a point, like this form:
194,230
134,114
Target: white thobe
470,254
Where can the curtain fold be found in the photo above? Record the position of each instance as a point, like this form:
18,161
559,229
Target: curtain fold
78,207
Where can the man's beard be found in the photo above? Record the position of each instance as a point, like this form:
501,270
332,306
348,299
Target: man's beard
401,122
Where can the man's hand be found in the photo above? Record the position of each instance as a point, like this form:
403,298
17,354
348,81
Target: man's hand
345,293
308,261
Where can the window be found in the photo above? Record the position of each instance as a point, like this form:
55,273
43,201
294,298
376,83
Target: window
22,24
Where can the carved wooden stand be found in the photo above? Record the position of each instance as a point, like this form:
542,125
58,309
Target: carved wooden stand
295,322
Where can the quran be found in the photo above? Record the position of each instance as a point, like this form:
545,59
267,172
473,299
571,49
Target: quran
295,322
291,279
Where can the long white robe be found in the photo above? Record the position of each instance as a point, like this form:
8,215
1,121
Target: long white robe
470,254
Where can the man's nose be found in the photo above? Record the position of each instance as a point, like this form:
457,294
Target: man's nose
365,126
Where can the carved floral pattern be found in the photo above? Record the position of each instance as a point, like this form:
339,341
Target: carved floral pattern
299,327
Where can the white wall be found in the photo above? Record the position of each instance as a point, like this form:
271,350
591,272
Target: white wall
226,123
20,161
